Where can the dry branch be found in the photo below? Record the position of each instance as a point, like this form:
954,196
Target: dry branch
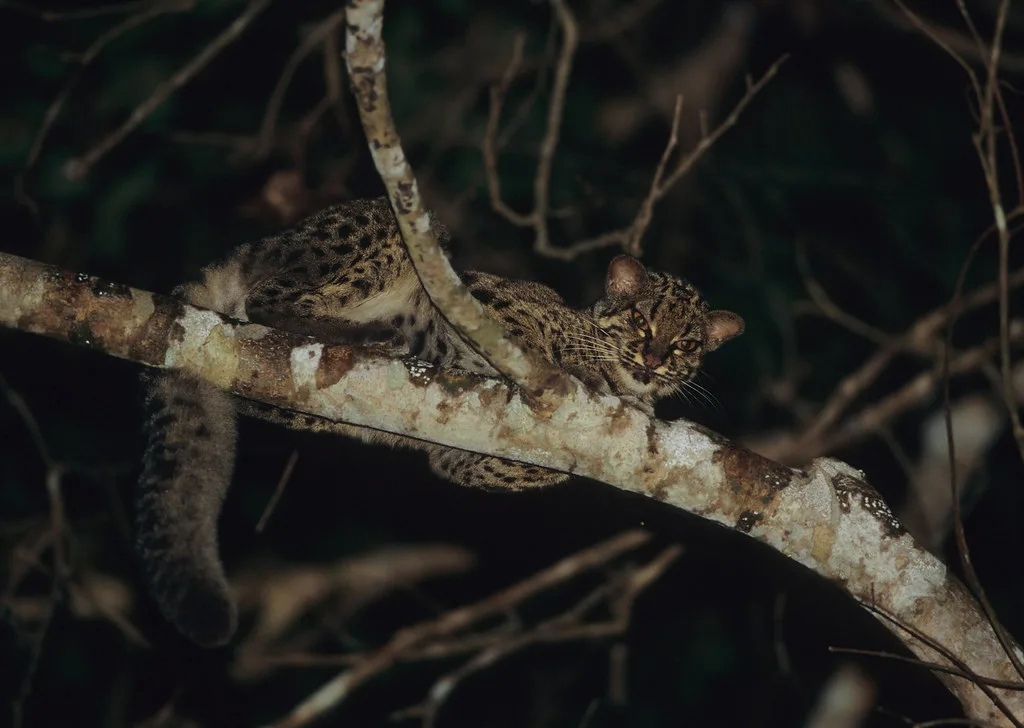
149,11
79,167
412,642
923,338
537,218
664,179
825,517
563,628
318,36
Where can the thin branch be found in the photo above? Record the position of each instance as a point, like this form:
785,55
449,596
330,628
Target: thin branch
80,166
286,475
936,666
830,308
985,145
971,675
337,690
565,627
499,92
365,60
709,139
943,43
315,38
51,16
61,567
152,11
920,338
537,218
542,181
952,41
630,237
917,391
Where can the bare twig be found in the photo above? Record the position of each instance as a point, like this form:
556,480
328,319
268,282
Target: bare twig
709,139
51,16
61,568
643,216
80,166
938,667
542,181
915,392
281,595
19,405
971,676
830,308
629,237
338,689
563,628
151,11
950,39
316,37
986,145
537,218
490,141
920,338
286,475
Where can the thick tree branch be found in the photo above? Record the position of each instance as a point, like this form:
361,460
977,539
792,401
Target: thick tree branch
825,517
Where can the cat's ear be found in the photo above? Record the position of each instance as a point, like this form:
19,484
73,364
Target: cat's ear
722,326
626,276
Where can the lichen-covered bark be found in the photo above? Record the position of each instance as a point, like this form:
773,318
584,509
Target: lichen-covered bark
827,517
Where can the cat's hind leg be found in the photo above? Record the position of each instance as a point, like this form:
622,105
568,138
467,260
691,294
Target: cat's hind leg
485,471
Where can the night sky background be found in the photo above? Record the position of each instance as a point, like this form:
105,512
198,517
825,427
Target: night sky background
852,172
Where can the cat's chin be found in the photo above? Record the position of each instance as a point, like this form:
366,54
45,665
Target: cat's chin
639,383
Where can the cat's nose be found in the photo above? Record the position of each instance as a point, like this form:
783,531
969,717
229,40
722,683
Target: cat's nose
652,360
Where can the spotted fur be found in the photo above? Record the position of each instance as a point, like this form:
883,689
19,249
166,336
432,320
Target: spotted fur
343,275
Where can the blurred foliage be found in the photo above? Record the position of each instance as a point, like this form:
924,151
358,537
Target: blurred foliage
857,156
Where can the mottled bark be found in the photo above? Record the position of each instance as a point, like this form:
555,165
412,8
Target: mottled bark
825,517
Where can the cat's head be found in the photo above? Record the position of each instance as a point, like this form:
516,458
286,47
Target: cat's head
660,328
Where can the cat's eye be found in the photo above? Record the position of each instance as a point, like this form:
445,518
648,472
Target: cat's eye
638,320
686,347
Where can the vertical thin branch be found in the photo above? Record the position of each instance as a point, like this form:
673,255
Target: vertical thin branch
984,142
316,37
537,218
489,146
366,67
542,182
990,163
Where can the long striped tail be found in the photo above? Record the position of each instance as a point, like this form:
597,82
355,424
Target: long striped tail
190,451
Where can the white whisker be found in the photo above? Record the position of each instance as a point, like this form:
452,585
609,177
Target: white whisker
704,394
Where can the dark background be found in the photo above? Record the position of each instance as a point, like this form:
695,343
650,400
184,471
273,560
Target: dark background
854,166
